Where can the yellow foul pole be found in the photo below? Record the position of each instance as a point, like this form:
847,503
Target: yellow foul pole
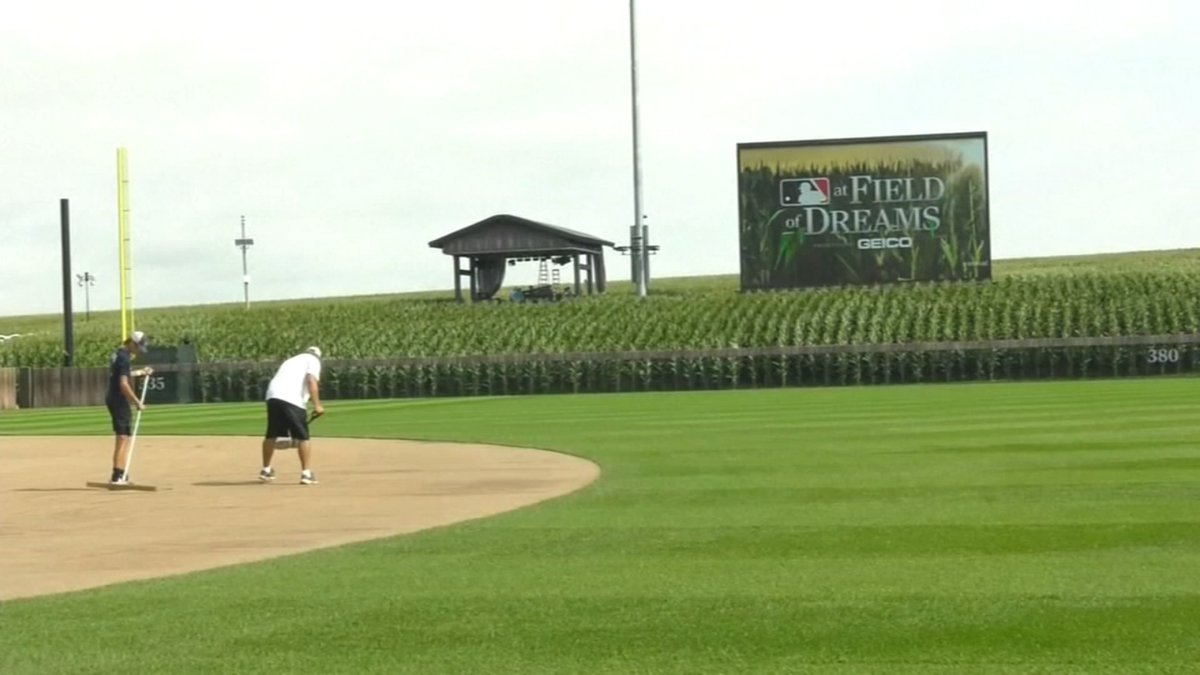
126,257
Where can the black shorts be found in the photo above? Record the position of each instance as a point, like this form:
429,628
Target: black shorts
285,419
122,415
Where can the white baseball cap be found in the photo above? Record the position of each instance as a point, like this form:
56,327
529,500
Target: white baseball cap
315,351
139,338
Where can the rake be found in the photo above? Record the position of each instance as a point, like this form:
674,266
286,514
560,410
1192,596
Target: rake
132,443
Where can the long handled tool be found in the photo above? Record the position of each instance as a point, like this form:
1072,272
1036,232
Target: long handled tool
137,422
132,442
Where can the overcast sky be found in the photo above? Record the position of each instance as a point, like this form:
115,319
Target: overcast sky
350,134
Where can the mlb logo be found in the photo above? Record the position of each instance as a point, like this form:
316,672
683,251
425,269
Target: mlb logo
804,192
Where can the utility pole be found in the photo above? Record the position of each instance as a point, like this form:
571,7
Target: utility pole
87,281
637,232
244,244
68,313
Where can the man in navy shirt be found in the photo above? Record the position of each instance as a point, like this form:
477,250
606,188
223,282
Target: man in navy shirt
121,396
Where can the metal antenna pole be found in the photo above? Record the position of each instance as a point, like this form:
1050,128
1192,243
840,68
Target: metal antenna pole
244,243
87,281
245,269
637,232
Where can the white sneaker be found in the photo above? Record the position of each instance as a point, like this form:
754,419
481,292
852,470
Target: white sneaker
308,478
267,475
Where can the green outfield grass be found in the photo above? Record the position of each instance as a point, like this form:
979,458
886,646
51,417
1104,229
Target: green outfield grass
1014,528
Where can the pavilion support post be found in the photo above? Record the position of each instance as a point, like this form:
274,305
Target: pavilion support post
576,266
457,280
474,281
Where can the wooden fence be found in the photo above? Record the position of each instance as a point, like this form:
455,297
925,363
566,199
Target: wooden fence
722,368
725,352
657,370
8,388
61,387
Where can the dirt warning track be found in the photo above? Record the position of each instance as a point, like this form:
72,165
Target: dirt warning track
210,510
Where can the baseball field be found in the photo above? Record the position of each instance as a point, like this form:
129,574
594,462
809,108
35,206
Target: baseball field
970,528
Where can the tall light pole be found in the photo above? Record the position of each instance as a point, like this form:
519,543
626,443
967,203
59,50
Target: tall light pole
87,281
244,244
638,231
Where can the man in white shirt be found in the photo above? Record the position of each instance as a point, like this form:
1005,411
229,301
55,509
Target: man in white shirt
295,383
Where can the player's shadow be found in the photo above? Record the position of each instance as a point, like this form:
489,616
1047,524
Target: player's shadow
226,483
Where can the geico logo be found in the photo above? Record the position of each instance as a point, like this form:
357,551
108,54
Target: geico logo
885,242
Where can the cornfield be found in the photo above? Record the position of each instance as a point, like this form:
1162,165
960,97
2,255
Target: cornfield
416,347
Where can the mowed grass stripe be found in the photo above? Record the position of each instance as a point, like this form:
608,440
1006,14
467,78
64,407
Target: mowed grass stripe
220,418
730,532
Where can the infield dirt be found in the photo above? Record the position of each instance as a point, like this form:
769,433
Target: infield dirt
210,510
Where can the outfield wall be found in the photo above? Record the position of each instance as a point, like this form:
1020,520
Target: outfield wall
60,387
8,388
673,370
